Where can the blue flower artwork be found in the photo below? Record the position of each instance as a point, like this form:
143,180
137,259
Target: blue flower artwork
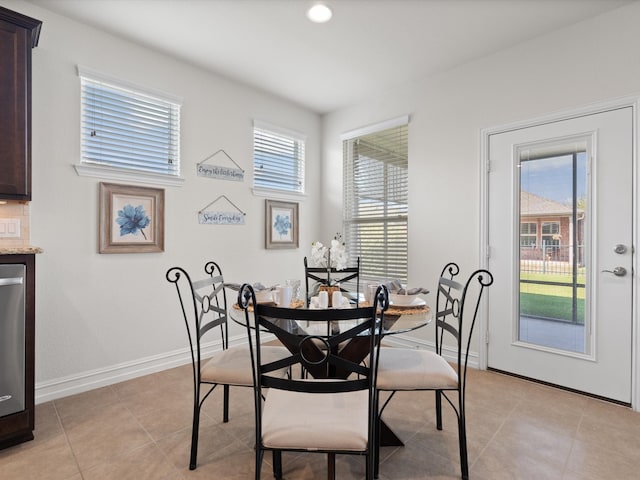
132,220
282,225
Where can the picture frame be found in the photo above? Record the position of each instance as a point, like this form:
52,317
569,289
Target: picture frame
281,224
131,219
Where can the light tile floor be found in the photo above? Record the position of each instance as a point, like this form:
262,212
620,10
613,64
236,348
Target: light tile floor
141,429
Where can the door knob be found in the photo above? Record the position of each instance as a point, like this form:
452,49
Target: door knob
618,271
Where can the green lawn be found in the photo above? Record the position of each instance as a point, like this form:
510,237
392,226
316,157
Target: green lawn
548,306
550,301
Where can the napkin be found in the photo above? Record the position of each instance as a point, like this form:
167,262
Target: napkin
395,286
256,286
413,291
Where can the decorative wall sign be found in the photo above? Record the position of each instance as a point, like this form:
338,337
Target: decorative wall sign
131,219
220,172
221,217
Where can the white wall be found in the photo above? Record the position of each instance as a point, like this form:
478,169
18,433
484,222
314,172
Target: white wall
589,62
100,318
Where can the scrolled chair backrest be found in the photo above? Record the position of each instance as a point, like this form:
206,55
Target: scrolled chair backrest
457,306
203,304
321,276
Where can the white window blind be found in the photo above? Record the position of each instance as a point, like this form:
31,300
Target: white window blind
127,128
376,191
278,158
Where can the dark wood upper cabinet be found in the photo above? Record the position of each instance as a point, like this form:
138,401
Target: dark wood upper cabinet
18,35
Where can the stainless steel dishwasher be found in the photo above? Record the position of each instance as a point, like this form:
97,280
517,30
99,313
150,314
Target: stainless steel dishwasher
12,339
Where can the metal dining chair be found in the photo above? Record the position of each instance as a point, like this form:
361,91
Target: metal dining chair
321,276
334,410
203,304
457,306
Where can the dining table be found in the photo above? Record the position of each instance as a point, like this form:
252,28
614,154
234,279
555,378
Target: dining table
397,319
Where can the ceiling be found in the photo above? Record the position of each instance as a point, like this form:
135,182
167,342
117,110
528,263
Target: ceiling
369,46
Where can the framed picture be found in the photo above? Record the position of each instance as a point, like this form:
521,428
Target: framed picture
131,219
281,224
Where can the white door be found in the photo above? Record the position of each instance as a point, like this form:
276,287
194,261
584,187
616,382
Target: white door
560,250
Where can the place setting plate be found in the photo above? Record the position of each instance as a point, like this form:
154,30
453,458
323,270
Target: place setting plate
407,301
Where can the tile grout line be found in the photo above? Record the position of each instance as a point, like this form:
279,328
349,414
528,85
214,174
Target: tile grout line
121,404
152,440
573,443
66,437
495,433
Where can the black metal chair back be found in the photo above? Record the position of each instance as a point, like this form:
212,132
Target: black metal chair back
314,337
324,275
203,304
457,308
405,369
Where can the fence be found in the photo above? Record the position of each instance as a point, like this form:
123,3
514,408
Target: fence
551,259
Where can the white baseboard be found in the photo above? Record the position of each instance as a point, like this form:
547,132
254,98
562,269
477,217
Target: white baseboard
92,379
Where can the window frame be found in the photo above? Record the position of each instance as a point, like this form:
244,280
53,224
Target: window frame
531,233
551,224
88,168
298,141
394,225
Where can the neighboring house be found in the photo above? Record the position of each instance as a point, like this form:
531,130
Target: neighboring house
547,229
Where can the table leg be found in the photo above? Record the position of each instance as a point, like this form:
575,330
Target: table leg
388,438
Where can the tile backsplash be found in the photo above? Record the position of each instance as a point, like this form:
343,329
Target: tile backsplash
19,210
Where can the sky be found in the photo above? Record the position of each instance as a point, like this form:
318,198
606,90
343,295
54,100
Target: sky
552,177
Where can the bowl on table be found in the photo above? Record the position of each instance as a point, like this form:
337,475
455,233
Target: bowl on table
264,296
404,300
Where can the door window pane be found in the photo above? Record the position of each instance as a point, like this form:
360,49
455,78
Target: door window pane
552,241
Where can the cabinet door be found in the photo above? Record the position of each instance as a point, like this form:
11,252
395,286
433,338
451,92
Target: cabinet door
15,108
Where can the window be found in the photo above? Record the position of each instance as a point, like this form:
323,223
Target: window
551,233
376,190
528,232
551,240
278,158
128,127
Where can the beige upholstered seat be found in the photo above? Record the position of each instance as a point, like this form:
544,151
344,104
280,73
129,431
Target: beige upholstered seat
333,410
413,369
203,304
331,421
233,366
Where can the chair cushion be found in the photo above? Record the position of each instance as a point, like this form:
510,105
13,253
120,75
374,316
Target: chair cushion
413,369
233,366
315,421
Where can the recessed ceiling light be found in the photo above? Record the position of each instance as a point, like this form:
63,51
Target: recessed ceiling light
319,13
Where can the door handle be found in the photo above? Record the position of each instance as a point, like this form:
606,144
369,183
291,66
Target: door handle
10,281
618,271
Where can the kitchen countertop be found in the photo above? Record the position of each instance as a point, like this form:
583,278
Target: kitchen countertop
20,250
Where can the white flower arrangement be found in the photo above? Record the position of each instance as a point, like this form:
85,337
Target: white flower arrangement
333,257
